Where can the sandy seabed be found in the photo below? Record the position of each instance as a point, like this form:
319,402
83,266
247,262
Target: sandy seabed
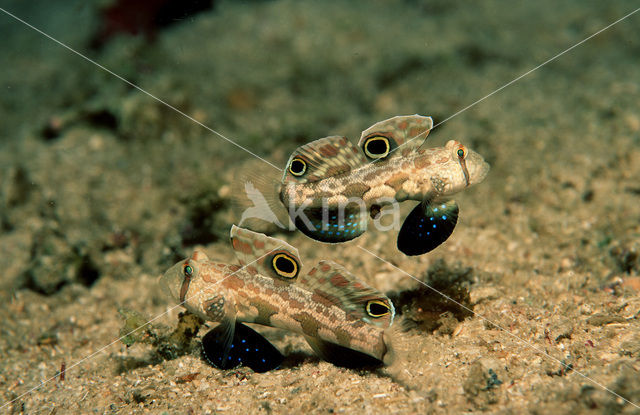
102,188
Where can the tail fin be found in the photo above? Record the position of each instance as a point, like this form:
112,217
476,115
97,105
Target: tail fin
255,196
394,366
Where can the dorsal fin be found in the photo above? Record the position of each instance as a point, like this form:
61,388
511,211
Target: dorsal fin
322,158
267,256
332,284
381,139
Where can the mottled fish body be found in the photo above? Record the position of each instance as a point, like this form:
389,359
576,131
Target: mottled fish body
335,312
331,186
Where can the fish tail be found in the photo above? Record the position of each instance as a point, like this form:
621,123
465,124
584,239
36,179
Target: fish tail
255,199
394,366
388,337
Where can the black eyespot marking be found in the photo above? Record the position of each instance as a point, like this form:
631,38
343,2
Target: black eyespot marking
298,166
377,308
285,266
461,153
376,147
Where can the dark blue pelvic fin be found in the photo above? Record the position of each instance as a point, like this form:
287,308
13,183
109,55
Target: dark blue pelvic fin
427,226
248,348
333,225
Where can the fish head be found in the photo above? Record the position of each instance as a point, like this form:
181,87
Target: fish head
186,279
453,168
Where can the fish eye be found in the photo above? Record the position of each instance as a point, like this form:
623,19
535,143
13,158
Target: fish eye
377,308
376,147
298,167
285,266
462,152
187,270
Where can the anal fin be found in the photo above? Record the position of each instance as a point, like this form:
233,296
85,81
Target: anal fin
427,226
340,355
332,225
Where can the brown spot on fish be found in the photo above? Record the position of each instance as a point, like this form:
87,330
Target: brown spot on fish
358,324
339,281
292,303
372,177
343,337
336,170
281,283
421,162
233,282
355,189
253,288
325,267
234,268
258,244
328,150
308,323
325,299
396,180
265,311
241,246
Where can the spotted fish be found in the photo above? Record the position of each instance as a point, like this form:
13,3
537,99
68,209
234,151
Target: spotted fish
331,187
343,319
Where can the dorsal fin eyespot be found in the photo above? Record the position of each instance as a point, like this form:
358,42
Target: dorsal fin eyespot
376,146
285,265
261,254
408,131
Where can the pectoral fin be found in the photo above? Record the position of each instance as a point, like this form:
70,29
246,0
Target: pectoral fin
427,226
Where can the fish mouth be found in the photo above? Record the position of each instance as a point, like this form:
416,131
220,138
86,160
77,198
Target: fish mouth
171,281
477,168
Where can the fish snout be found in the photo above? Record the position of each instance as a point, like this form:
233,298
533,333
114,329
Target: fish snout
477,167
171,281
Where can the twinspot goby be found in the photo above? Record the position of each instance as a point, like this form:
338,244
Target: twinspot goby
331,187
342,318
